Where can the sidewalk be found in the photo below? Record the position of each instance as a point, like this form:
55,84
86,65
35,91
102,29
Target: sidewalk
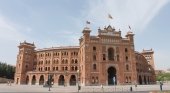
84,89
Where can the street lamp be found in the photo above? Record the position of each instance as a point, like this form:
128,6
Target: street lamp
78,80
49,81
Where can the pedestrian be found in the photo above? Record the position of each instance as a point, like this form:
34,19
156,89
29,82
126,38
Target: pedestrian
161,84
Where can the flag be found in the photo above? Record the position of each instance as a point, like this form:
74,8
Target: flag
109,16
87,22
129,27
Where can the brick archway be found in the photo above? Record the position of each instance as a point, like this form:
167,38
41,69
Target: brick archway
41,80
33,82
72,80
61,80
112,78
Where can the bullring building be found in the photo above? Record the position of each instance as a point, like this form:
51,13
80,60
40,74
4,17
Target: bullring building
104,59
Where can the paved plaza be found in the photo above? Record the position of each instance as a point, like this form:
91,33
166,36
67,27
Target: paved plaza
85,89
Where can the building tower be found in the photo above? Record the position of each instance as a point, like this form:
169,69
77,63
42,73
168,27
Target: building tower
84,56
148,54
24,62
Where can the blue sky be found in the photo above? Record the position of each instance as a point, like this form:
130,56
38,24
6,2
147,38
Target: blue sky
51,23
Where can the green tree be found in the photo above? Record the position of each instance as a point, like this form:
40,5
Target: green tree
7,70
163,77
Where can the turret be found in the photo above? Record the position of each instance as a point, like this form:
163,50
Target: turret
148,54
130,35
24,61
86,34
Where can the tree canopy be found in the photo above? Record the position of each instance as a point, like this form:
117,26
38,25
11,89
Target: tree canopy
163,77
7,71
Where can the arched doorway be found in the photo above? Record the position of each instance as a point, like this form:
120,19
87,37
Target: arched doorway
33,80
145,81
41,80
112,79
140,80
61,80
148,80
27,79
72,80
111,54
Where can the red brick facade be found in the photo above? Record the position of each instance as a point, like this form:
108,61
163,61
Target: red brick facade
105,59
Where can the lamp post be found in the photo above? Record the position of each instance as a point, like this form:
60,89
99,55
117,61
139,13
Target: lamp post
49,81
78,80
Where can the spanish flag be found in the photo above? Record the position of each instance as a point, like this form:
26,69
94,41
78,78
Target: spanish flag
110,17
87,22
129,27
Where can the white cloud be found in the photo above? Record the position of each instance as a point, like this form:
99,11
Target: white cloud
136,13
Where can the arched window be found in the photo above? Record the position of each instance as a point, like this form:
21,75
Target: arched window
94,66
110,54
94,57
129,79
104,57
54,61
66,61
117,57
96,81
66,68
93,80
126,58
45,68
57,61
126,50
76,68
127,67
76,61
56,68
72,61
126,79
63,61
94,48
53,68
72,68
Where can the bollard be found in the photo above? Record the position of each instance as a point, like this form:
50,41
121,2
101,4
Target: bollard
131,89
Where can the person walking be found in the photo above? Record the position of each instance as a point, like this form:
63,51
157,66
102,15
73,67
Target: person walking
161,84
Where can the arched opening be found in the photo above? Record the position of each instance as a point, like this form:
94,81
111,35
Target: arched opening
72,80
145,80
110,54
127,67
61,80
127,80
112,79
41,80
148,80
27,79
94,67
76,61
140,80
33,80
